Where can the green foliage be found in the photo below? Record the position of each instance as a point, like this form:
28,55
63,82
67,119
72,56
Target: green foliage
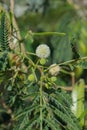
78,100
33,95
62,53
4,44
55,109
82,64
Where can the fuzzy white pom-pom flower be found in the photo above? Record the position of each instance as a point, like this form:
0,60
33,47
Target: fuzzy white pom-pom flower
54,69
43,51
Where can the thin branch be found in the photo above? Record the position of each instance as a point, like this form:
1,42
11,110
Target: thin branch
7,108
69,88
73,78
12,6
72,61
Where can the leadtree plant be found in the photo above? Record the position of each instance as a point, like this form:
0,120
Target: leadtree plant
29,95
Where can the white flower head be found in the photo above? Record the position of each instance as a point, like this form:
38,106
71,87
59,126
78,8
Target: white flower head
43,51
54,69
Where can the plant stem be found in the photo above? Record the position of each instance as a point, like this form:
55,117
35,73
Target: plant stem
12,6
41,127
49,33
71,61
41,99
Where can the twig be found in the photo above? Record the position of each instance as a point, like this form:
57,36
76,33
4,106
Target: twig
12,6
73,78
72,61
69,88
9,111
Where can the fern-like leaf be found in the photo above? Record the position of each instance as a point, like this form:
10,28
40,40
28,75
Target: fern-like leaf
82,64
4,44
56,113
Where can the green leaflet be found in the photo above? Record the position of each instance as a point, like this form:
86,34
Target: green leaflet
82,64
56,113
78,100
4,44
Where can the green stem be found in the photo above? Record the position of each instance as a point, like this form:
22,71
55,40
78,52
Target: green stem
65,72
71,61
49,33
41,127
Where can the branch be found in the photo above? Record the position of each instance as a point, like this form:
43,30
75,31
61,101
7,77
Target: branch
72,61
7,108
69,88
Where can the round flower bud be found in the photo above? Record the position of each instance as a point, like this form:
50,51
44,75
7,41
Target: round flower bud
47,86
31,77
53,79
42,61
43,51
54,69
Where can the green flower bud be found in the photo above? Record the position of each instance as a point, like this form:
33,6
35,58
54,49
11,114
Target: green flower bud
47,86
31,77
42,61
9,88
53,79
